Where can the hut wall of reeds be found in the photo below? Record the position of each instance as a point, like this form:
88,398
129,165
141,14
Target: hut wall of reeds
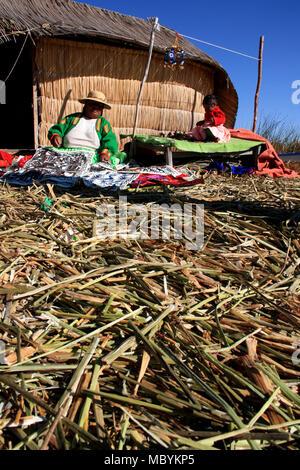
98,49
171,97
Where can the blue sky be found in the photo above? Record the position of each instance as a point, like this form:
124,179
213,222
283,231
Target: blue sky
237,25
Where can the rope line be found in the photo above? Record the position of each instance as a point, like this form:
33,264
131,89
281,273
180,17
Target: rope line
220,47
12,69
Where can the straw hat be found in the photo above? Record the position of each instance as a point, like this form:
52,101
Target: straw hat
96,96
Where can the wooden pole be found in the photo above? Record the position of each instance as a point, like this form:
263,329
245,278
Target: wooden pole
155,28
35,116
261,46
35,105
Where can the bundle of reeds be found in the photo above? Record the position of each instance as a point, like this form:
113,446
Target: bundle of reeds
143,344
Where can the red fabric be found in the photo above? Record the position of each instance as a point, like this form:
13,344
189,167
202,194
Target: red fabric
268,162
152,179
215,116
5,159
24,160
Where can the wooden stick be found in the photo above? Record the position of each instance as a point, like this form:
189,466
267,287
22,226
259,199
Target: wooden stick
261,46
154,28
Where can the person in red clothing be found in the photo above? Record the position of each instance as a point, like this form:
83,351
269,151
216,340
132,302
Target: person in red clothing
211,129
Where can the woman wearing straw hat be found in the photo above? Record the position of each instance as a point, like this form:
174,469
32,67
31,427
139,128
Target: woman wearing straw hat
88,129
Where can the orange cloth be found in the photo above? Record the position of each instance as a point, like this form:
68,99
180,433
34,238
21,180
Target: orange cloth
268,162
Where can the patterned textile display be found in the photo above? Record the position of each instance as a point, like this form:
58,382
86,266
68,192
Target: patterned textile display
54,162
66,168
101,176
48,165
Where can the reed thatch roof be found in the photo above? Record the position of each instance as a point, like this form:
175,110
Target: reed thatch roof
68,18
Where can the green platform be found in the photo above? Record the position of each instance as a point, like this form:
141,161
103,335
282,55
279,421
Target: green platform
169,146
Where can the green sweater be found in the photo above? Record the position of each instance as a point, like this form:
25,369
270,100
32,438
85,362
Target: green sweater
108,141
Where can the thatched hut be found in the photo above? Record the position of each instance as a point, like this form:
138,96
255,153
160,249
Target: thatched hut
54,51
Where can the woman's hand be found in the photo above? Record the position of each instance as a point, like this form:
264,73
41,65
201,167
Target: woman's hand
56,140
104,158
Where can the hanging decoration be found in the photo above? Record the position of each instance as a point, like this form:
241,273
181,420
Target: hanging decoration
174,55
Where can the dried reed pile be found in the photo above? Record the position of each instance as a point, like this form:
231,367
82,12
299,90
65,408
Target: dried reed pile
143,344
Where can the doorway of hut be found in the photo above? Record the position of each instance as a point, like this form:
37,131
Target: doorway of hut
16,105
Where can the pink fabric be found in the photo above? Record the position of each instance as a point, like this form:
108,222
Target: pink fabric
268,162
220,133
